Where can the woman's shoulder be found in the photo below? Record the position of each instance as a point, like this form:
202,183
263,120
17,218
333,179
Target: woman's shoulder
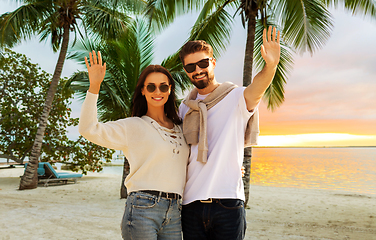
133,120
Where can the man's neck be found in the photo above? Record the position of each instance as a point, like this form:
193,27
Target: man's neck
210,88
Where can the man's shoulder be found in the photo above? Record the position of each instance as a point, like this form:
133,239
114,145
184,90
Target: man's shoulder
235,94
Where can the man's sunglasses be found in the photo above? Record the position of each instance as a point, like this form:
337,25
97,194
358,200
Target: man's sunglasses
151,87
204,63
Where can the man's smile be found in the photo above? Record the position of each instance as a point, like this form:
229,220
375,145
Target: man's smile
200,76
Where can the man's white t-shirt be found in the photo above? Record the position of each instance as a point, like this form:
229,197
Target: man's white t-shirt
220,177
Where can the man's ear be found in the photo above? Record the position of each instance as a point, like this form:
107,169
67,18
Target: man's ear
214,62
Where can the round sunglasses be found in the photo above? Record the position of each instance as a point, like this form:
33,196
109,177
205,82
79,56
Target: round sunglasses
151,87
203,63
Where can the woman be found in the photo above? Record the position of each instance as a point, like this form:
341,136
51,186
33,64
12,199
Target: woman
154,145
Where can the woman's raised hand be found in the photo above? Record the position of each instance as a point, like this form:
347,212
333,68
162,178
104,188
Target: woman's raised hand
96,71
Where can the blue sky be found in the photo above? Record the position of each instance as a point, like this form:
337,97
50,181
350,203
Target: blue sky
333,91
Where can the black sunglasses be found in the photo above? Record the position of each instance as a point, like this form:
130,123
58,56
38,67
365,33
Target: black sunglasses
163,87
204,63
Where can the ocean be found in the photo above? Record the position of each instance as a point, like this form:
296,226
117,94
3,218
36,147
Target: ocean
344,169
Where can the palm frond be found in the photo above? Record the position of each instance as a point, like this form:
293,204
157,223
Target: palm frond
161,13
274,95
105,22
215,29
50,28
173,64
79,83
82,49
306,24
21,23
356,7
128,6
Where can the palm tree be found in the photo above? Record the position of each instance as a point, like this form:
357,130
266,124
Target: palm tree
56,19
305,25
125,58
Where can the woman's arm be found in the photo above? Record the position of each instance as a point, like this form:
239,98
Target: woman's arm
110,134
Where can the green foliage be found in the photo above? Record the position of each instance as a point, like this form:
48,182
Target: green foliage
49,18
23,86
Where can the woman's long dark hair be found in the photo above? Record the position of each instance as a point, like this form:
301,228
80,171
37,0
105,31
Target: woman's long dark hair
139,104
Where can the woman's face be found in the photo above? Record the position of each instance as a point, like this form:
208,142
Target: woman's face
156,89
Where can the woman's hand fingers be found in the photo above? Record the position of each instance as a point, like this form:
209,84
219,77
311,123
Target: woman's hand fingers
99,58
87,64
270,34
278,37
91,59
95,57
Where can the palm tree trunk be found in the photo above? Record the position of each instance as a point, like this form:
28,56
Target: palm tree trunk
247,79
30,178
123,188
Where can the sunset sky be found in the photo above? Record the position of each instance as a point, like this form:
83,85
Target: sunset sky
330,97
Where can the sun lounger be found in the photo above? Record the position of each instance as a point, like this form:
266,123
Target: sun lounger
47,174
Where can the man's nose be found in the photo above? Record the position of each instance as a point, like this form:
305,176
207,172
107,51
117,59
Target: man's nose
197,68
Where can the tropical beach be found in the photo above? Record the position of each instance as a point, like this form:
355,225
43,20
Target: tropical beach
322,103
92,209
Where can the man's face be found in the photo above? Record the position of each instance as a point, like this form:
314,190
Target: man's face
200,77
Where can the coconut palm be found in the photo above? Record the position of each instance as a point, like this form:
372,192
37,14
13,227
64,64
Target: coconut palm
305,25
56,19
125,59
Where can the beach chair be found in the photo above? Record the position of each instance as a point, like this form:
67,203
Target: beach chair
47,175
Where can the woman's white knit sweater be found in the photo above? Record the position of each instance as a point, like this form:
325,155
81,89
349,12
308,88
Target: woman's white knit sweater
158,156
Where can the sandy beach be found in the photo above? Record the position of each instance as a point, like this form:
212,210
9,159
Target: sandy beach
92,209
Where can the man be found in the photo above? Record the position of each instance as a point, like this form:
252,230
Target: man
215,120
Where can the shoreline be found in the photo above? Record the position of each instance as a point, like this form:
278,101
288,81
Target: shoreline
92,209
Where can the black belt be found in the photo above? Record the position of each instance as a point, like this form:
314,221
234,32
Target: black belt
163,194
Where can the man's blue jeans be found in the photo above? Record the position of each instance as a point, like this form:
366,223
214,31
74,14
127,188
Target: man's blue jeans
148,217
222,219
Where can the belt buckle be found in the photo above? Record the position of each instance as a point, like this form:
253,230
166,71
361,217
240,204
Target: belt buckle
209,200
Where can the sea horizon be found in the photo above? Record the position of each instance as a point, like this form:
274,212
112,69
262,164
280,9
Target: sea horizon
351,169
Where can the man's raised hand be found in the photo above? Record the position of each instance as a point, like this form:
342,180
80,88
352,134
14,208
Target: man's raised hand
271,49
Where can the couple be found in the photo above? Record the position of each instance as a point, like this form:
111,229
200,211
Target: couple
183,179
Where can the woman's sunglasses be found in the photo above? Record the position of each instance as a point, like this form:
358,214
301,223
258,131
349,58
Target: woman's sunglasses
204,63
151,87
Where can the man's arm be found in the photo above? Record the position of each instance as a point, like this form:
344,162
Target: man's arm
270,51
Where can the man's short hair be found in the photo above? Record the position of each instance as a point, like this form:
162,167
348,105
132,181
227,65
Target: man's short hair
193,47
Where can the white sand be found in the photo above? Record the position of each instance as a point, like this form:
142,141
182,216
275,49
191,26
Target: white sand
92,209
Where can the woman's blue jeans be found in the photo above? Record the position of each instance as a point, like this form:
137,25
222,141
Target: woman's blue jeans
149,217
223,219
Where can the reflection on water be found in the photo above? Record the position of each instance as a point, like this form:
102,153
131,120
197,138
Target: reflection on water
349,169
